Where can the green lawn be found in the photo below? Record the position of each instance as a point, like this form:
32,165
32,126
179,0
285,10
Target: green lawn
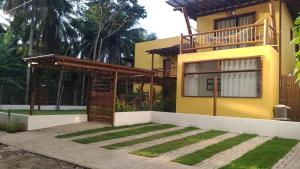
203,154
150,138
176,144
264,156
97,130
120,134
46,112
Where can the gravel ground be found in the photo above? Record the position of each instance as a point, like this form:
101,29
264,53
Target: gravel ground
13,158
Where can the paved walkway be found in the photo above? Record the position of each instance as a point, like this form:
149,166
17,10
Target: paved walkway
291,160
123,139
227,156
89,156
43,142
192,148
160,141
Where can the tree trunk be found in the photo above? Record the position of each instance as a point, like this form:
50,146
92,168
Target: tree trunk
30,53
75,98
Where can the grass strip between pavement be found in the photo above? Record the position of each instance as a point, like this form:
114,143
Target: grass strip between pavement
150,138
97,130
125,133
203,154
156,150
263,156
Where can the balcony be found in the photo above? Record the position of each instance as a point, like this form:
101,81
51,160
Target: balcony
260,33
166,72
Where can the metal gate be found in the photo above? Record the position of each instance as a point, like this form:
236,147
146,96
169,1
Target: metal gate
102,98
290,96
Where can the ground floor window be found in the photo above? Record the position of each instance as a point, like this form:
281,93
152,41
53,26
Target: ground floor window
234,77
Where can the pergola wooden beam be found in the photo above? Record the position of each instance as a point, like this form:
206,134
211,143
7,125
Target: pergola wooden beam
197,8
70,63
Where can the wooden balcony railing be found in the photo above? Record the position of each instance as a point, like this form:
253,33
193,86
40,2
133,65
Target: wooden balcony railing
249,35
166,72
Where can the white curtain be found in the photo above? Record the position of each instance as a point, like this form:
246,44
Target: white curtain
235,22
191,81
242,84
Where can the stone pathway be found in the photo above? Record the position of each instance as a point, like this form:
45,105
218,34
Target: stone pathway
123,139
192,148
43,142
105,132
88,156
227,156
291,160
159,141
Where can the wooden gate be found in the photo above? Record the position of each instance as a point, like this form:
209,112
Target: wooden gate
102,98
290,96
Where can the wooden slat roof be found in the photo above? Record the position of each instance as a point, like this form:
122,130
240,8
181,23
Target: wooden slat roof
70,63
197,8
294,7
168,51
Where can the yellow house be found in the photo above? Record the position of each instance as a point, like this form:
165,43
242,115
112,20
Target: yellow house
233,64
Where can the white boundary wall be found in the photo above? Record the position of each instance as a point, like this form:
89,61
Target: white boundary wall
270,128
43,107
43,121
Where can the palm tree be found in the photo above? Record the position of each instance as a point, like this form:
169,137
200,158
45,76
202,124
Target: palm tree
12,67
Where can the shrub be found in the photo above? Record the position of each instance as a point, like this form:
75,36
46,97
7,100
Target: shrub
11,127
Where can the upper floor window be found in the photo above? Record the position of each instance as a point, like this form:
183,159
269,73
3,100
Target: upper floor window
236,21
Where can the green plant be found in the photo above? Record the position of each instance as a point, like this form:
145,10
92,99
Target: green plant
119,107
296,41
11,127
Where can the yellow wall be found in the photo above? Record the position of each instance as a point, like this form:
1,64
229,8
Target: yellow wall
287,49
238,107
143,59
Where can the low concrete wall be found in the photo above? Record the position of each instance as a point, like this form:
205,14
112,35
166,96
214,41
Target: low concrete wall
43,121
43,107
39,122
129,118
270,128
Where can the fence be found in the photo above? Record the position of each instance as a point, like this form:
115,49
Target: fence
290,96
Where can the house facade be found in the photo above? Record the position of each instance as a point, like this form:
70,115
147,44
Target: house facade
233,65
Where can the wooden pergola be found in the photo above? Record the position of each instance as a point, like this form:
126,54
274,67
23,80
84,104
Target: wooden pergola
94,71
198,8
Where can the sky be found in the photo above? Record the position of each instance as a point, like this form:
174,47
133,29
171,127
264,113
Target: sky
161,19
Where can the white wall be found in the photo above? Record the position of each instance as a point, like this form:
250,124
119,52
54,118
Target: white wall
43,107
129,118
270,128
44,121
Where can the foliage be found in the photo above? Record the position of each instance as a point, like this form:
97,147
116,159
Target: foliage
11,127
123,107
296,41
164,103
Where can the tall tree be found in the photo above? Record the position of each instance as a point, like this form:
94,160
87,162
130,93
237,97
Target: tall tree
296,41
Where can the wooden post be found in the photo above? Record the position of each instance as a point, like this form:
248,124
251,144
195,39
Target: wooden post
273,16
152,62
215,95
181,44
266,32
151,94
89,93
33,71
114,97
